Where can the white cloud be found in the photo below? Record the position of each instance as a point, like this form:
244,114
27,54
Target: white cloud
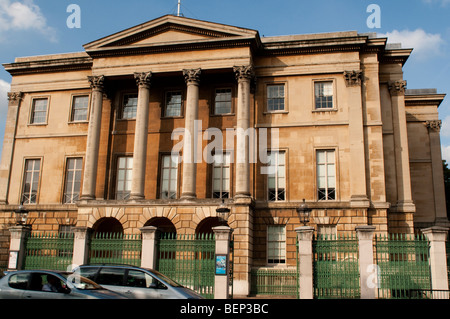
24,15
445,129
424,44
445,153
4,89
442,2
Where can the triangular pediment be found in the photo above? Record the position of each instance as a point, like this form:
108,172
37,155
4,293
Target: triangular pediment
170,30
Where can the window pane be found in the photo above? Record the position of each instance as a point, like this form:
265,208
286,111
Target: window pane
275,97
80,107
129,106
222,101
169,176
323,94
124,177
39,111
173,104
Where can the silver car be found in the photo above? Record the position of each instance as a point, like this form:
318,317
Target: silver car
136,282
44,284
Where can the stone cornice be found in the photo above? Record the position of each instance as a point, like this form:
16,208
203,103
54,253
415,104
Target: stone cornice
49,65
217,43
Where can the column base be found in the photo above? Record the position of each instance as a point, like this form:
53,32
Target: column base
359,201
137,197
404,206
87,197
188,196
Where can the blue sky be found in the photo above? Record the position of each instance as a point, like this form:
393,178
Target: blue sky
37,27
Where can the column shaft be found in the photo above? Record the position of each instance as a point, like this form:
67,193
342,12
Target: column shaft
8,144
244,75
192,78
404,200
93,138
141,136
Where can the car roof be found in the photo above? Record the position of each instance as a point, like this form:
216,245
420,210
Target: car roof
114,266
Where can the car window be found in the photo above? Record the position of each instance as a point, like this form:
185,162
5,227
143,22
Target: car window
137,278
111,276
50,283
19,281
88,272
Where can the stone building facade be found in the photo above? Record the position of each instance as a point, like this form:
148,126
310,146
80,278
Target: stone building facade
90,137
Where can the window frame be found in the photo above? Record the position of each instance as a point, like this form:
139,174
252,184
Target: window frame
231,101
222,167
76,158
125,194
276,176
281,247
122,106
72,108
24,176
164,110
32,110
171,168
326,150
333,99
285,97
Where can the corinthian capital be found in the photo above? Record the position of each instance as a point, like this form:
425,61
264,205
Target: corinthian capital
434,125
192,76
397,87
143,79
15,96
353,78
97,82
245,72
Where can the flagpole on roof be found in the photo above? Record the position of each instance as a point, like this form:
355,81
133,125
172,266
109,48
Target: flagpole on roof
179,8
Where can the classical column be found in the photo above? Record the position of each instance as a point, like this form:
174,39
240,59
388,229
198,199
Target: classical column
14,99
434,128
93,138
192,78
141,136
358,187
244,76
404,197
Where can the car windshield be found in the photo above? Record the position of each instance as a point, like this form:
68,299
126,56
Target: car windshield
166,279
80,282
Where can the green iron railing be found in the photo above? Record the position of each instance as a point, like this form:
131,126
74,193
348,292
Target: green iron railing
52,251
116,248
272,281
403,265
189,260
336,266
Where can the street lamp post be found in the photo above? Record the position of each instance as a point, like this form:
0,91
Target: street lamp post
21,215
304,212
223,213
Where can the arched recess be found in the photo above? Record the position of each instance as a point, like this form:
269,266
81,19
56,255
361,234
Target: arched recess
108,225
163,224
206,225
